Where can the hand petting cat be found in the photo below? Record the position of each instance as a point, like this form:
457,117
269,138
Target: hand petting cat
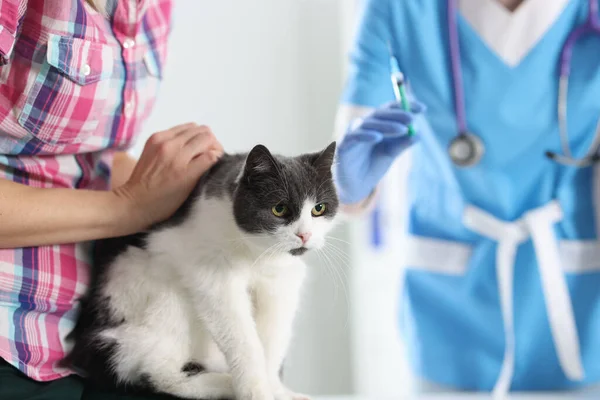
170,165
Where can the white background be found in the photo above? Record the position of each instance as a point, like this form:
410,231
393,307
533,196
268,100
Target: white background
271,72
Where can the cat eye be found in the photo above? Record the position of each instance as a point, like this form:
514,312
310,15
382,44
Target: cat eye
318,210
279,210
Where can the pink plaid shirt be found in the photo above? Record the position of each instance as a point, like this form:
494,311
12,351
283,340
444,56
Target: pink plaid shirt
75,87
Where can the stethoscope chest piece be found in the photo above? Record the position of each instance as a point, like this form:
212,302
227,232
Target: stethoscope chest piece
466,149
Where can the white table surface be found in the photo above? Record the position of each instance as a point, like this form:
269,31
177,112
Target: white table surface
515,396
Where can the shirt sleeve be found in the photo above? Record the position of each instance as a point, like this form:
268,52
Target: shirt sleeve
11,14
368,82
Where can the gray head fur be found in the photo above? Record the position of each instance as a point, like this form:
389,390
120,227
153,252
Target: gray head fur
270,180
259,180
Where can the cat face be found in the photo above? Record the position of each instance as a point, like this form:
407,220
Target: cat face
286,204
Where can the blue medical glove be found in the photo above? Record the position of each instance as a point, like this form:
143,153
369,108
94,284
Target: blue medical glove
368,150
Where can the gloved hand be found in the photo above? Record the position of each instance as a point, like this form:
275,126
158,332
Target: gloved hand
367,150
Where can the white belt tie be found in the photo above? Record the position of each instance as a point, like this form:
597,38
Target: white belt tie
538,224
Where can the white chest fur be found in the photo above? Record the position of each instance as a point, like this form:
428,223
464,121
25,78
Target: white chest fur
202,295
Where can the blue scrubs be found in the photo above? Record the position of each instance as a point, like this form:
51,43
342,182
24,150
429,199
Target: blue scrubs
452,316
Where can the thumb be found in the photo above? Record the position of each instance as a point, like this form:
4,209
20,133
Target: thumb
362,138
416,107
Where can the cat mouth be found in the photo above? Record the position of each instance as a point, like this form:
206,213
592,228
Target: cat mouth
299,251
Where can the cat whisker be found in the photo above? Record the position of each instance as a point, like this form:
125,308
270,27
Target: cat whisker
263,253
338,239
343,277
344,260
336,276
329,272
324,182
276,250
244,238
340,275
341,253
280,173
248,237
268,254
334,252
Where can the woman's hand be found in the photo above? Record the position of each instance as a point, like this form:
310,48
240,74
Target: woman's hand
167,171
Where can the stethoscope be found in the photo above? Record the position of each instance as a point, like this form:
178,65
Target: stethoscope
467,149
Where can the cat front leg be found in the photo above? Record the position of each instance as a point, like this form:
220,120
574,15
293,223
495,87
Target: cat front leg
224,306
276,296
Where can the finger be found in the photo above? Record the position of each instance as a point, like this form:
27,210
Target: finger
198,144
365,136
360,141
171,148
385,127
387,152
184,137
416,107
206,131
201,163
395,115
196,128
174,131
218,147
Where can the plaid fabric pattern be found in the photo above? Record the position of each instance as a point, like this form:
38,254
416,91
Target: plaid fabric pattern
75,86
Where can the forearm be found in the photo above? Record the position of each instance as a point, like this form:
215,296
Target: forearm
361,207
345,115
35,217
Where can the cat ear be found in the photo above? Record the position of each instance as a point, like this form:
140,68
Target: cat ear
259,160
324,160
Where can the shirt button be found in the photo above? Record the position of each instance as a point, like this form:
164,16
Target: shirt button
86,70
128,108
128,43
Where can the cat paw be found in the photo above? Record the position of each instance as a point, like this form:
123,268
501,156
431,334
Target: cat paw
256,392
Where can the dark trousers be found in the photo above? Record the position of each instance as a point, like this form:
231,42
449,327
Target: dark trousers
14,385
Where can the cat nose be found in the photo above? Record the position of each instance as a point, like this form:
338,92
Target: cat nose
304,236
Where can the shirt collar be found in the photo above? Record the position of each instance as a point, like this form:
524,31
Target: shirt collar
511,35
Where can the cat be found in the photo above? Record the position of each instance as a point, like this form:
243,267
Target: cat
202,305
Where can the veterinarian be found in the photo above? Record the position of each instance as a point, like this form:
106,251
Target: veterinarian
75,90
502,256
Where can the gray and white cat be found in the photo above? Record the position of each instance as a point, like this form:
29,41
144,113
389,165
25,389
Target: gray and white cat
202,305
